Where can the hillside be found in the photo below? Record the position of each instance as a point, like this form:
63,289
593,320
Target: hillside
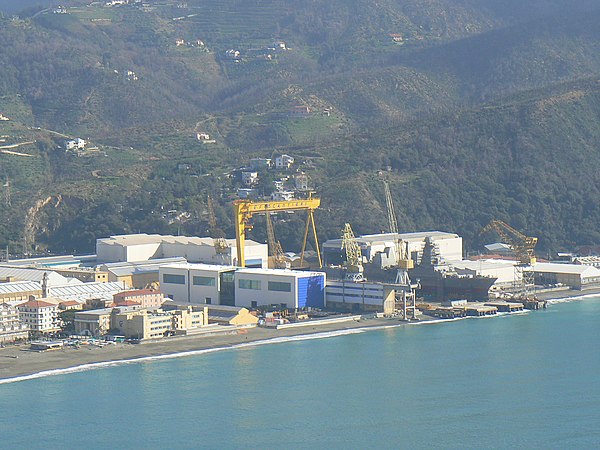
472,110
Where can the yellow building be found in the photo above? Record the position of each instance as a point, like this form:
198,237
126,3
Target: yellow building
147,324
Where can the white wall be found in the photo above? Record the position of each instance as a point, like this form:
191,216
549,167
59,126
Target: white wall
349,291
264,297
188,292
110,252
143,252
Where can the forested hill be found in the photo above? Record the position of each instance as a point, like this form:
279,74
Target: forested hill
473,110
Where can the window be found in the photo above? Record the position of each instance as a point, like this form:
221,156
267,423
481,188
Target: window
280,286
203,281
249,284
208,300
253,304
173,279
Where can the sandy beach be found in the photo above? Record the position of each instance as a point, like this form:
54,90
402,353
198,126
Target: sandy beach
16,361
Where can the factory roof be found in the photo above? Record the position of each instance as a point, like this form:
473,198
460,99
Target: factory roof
29,274
198,266
142,239
392,237
88,290
481,264
16,287
107,311
129,268
573,269
275,272
498,247
61,261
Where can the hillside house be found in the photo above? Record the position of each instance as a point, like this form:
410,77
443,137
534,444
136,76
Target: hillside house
280,196
284,162
75,144
249,178
179,42
301,181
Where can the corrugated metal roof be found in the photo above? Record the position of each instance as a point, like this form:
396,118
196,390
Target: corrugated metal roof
575,269
28,274
393,237
16,287
88,290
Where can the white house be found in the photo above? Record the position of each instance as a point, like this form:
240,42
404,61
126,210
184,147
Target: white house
301,181
285,288
284,162
249,178
75,144
11,326
280,196
40,316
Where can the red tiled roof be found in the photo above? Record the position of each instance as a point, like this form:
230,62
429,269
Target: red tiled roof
135,292
70,303
127,303
36,304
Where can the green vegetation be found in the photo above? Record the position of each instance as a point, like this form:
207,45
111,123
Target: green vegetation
479,111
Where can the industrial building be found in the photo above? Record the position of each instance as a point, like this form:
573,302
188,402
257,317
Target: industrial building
503,270
249,287
143,247
350,296
284,288
138,274
572,275
198,283
380,249
139,323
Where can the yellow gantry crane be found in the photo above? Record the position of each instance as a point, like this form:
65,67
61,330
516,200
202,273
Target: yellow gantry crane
245,209
523,248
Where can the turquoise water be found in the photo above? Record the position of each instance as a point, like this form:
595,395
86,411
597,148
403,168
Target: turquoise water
527,381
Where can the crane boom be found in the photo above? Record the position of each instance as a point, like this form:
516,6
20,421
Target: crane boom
354,267
522,245
275,250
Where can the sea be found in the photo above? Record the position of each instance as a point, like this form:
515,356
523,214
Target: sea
527,380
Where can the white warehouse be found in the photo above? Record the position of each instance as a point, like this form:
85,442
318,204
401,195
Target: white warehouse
292,289
383,246
198,283
142,247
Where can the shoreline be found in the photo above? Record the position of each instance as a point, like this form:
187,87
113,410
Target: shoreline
32,364
19,364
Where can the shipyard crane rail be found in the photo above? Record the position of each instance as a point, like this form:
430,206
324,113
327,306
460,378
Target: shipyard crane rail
245,209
